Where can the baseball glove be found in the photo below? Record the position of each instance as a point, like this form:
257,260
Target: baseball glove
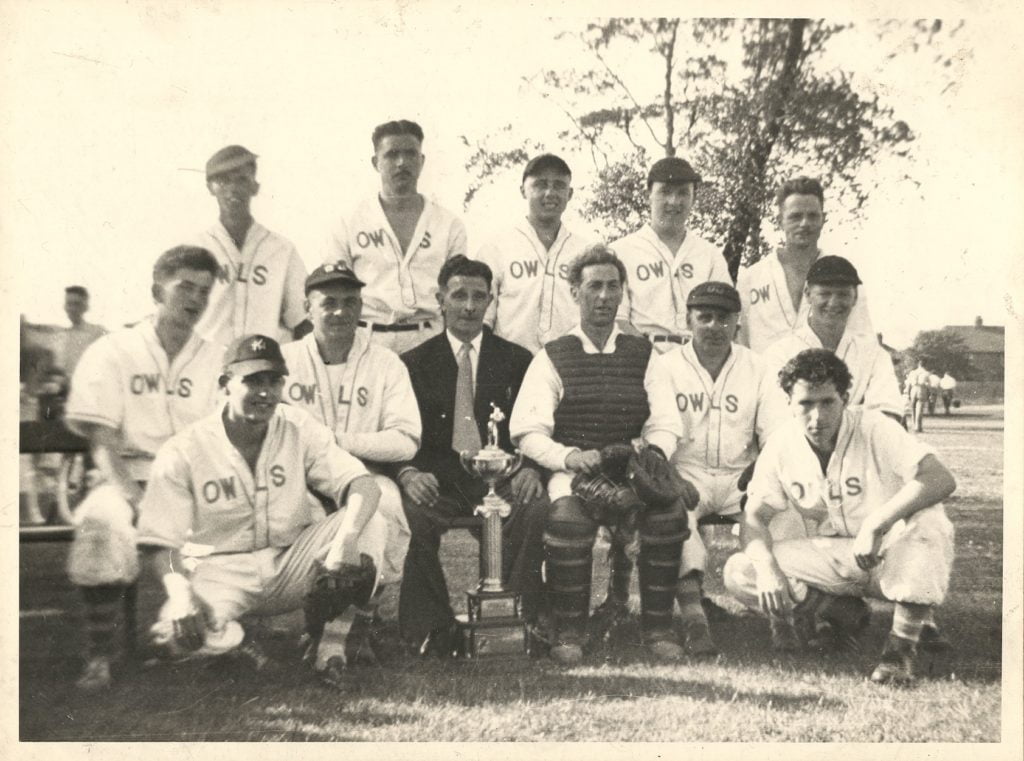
607,502
656,482
332,592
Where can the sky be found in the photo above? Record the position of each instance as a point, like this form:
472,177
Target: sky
111,110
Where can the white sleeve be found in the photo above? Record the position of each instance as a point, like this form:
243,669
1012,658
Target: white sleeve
533,416
719,266
895,449
664,427
457,242
883,391
329,468
772,405
400,426
860,317
488,255
293,305
168,506
765,486
337,247
96,391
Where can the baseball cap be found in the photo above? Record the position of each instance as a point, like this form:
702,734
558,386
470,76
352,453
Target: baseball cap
833,270
332,272
254,354
546,161
226,159
714,294
672,169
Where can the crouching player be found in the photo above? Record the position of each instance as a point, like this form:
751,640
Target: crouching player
235,484
873,492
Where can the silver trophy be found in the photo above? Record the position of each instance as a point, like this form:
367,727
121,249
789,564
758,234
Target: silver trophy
491,607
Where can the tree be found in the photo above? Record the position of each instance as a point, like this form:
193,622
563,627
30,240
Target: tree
747,101
942,351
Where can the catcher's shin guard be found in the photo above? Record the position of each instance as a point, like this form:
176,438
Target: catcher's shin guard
661,543
568,556
331,594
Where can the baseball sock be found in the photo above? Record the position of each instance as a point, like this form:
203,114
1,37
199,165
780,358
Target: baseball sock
102,605
688,594
908,619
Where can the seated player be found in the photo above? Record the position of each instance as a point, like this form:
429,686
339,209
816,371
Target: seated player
457,376
871,494
727,405
234,485
583,392
361,391
831,294
133,389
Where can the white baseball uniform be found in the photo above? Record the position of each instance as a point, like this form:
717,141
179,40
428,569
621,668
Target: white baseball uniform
400,285
916,383
259,289
873,459
659,281
767,311
533,417
874,380
124,382
259,525
369,404
533,302
725,421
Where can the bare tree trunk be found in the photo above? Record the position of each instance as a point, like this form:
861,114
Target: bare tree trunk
670,114
747,217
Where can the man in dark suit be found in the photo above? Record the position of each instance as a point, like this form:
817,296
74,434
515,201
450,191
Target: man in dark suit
456,377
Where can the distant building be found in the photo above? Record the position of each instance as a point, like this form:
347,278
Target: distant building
985,349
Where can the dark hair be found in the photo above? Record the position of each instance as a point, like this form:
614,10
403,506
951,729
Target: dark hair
400,127
461,265
597,253
184,257
800,186
815,366
77,290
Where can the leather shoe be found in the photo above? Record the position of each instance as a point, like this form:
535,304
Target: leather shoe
444,642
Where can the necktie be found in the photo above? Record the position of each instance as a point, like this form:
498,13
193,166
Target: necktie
465,434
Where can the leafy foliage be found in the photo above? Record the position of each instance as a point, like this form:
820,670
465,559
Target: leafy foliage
942,351
747,101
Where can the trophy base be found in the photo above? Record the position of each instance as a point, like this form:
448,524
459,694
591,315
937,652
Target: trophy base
494,624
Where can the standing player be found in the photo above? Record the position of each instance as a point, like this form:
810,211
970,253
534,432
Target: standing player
874,492
396,243
582,392
727,406
664,259
771,290
259,282
131,391
916,385
947,385
236,483
530,261
361,392
80,335
831,294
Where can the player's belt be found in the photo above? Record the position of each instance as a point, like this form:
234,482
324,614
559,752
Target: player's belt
397,327
662,339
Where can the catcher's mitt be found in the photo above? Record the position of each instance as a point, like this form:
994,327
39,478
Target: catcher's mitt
334,591
656,482
607,502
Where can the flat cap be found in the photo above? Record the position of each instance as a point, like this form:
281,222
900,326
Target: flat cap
716,295
672,169
332,272
833,270
226,159
545,161
253,354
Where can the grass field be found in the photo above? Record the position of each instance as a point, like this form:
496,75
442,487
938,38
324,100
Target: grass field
746,694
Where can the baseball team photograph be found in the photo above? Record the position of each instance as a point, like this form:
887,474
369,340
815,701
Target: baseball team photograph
391,375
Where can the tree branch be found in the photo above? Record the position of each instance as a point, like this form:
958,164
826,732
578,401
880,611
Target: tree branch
629,94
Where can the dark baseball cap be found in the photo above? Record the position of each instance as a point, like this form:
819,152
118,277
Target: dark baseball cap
253,354
538,164
332,272
716,295
672,169
833,270
226,159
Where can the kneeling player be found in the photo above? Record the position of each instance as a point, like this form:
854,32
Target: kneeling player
235,483
874,492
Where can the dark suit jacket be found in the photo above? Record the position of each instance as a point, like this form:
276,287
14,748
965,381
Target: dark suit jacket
434,373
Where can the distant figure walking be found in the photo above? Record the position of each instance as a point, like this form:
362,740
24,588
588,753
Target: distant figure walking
947,385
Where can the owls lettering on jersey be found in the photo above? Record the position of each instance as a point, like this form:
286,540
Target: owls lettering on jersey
257,290
124,382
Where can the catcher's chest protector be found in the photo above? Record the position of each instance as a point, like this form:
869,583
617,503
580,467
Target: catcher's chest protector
604,400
